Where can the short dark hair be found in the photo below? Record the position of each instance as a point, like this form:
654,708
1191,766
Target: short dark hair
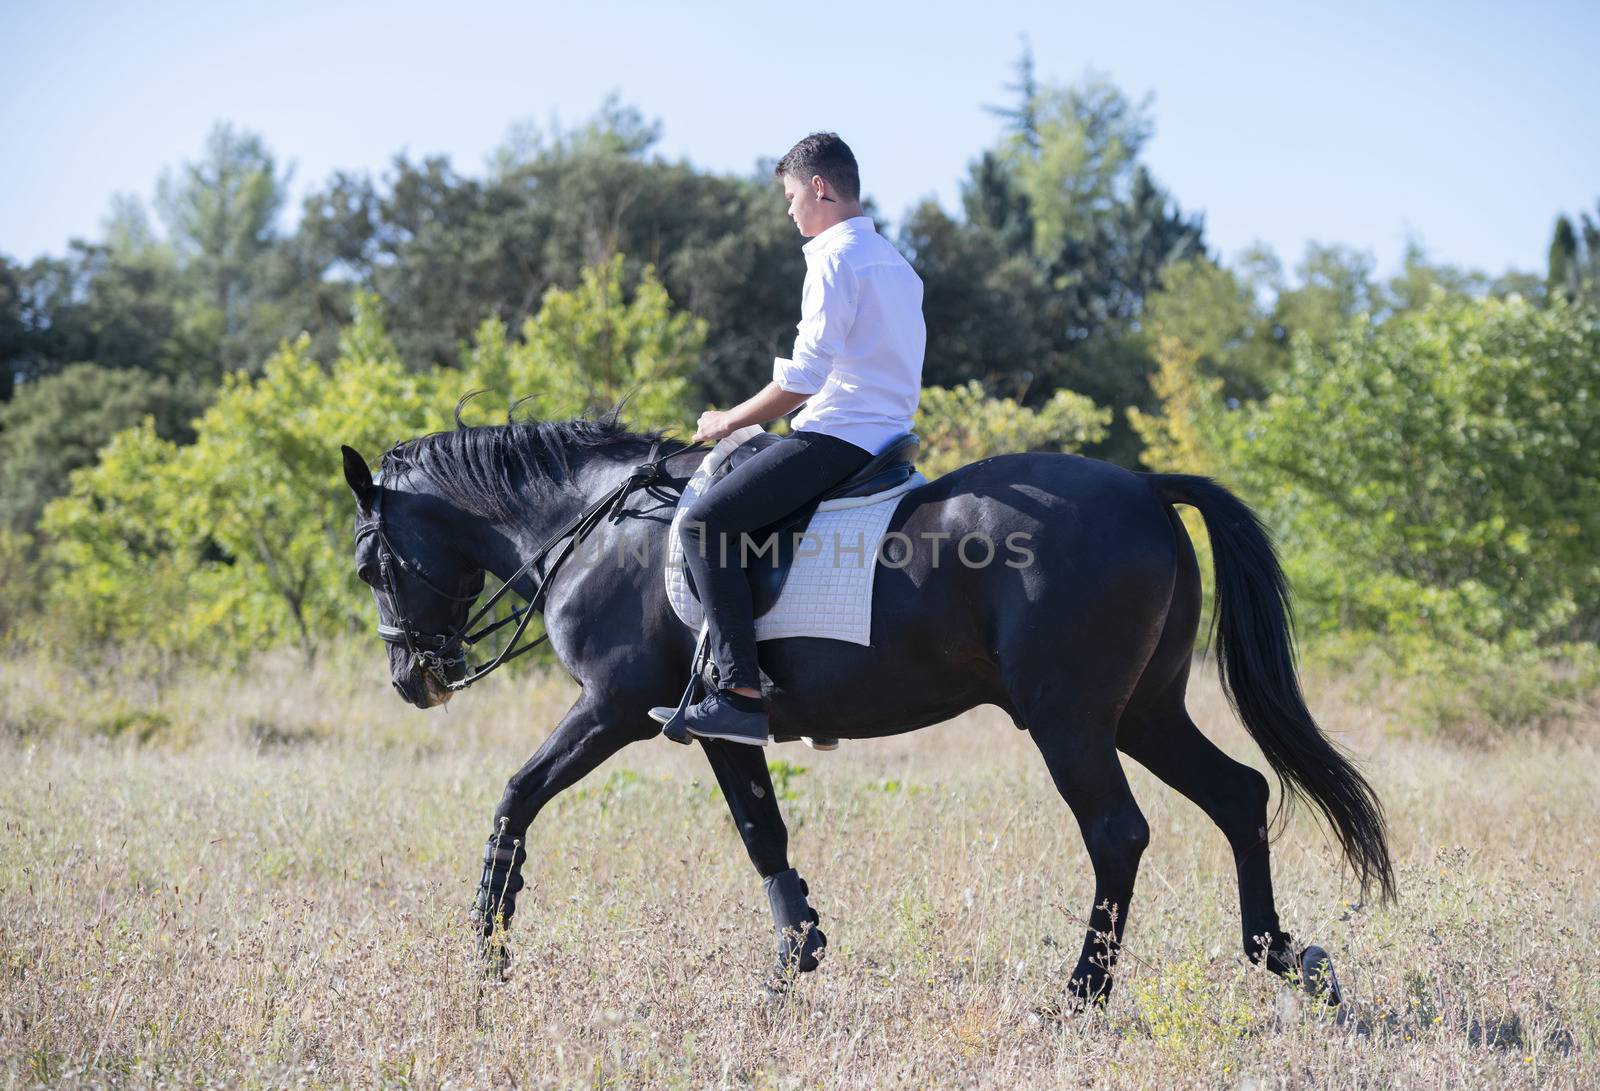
824,155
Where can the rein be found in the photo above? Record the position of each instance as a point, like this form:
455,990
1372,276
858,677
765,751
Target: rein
433,652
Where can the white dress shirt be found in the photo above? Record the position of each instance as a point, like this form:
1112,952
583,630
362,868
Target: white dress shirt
859,348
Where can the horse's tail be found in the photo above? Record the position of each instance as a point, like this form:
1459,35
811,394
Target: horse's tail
1256,658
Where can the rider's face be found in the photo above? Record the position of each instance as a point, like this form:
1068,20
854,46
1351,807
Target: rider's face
807,206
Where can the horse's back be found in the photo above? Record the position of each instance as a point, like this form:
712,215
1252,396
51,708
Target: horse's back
1081,508
1005,567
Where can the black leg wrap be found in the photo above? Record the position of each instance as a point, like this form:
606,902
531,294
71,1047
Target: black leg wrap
800,941
503,858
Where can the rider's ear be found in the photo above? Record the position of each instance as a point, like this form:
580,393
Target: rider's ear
358,476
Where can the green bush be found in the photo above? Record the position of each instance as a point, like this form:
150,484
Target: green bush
591,347
959,425
21,583
58,423
1473,695
241,539
1433,478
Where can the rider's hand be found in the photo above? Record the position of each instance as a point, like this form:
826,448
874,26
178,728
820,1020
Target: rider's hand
712,426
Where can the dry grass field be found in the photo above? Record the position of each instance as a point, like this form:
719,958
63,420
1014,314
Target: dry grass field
263,878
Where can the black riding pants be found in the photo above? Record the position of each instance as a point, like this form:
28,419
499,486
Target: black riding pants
759,492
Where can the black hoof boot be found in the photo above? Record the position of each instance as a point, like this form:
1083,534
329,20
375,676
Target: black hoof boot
496,901
1317,977
800,942
1311,970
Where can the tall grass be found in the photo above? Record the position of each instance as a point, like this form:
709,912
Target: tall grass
263,877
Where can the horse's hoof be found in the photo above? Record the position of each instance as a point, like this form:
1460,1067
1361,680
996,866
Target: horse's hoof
1317,977
494,958
1088,988
773,991
1057,1012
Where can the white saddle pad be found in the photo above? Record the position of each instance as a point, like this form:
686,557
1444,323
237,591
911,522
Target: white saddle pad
829,589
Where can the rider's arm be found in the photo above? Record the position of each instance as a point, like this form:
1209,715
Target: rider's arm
827,311
770,403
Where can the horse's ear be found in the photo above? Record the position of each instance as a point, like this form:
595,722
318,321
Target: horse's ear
358,476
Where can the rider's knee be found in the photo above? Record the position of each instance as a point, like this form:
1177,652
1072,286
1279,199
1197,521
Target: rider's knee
703,516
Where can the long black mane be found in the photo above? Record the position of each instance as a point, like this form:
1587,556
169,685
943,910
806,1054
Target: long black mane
495,470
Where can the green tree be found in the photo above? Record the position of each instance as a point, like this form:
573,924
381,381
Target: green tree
113,305
1188,434
21,582
600,347
242,537
1573,269
47,324
1079,162
112,302
1215,314
445,251
1042,284
1433,476
960,424
1563,276
1421,280
59,423
1335,287
221,215
982,299
126,548
17,339
590,347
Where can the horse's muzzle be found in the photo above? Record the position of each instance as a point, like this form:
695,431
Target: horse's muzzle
426,680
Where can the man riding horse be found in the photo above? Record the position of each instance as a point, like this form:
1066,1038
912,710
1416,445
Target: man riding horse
1087,647
857,369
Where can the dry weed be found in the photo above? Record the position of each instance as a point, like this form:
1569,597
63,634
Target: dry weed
263,878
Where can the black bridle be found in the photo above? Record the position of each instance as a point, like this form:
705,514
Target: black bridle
434,653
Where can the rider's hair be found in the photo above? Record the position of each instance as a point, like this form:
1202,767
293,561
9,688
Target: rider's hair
826,156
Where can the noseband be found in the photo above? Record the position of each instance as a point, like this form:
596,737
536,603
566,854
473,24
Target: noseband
435,653
432,653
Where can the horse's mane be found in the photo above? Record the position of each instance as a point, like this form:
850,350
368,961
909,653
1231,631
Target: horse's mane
495,470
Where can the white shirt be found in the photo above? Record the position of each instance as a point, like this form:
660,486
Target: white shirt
859,348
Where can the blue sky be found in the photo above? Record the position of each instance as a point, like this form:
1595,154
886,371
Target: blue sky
1467,125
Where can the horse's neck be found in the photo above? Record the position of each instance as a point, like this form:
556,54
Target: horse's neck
595,478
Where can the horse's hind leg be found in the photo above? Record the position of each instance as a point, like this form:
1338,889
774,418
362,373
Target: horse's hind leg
1159,735
1084,765
742,775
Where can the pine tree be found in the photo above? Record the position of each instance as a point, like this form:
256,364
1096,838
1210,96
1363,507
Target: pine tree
1562,275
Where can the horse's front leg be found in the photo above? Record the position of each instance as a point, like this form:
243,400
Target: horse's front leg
592,730
742,775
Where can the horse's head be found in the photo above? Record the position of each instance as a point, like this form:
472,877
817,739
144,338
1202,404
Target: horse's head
407,551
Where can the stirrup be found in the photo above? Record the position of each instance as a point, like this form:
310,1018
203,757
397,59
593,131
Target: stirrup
675,728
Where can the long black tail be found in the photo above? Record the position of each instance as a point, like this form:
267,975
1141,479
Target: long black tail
1255,653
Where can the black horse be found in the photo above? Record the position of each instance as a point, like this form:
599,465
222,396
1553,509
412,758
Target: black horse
1087,646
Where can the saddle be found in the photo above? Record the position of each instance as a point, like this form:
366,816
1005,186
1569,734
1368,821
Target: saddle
767,572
